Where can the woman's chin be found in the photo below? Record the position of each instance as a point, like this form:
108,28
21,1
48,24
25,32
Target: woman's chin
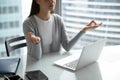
51,10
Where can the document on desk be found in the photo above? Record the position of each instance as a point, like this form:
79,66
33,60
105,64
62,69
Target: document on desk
9,66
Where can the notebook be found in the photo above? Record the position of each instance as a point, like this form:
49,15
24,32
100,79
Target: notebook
88,55
9,66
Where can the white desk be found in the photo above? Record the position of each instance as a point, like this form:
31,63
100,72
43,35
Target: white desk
107,67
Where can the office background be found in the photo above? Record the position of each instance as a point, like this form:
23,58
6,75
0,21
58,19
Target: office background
76,13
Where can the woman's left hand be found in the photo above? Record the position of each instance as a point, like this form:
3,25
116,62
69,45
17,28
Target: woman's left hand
91,26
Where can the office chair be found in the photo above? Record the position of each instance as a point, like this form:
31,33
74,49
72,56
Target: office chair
10,47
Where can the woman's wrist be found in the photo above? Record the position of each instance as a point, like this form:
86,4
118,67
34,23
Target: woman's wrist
84,29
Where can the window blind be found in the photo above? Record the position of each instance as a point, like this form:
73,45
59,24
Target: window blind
77,13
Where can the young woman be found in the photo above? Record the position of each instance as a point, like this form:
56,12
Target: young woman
45,31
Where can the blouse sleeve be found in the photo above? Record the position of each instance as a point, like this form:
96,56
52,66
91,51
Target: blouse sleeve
34,50
67,45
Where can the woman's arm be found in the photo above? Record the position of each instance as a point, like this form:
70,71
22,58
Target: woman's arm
67,45
34,47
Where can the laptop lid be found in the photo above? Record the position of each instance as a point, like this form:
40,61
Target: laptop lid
89,54
9,65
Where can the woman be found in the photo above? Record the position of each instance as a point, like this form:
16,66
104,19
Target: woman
44,31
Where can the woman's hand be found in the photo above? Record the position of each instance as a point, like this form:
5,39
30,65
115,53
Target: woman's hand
32,38
91,26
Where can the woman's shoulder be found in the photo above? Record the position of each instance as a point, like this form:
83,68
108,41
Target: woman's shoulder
29,19
57,16
30,22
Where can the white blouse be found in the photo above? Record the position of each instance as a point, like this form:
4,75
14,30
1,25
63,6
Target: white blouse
45,29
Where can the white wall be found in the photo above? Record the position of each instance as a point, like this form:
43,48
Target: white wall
26,6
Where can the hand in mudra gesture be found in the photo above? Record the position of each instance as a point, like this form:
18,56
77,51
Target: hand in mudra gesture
91,26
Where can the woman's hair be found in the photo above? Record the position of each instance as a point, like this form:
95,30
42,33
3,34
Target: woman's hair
34,8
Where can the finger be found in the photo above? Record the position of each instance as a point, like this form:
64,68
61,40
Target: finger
37,40
34,39
96,26
90,23
94,22
30,36
100,24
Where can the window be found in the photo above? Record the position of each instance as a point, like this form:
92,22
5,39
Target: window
77,13
8,9
10,21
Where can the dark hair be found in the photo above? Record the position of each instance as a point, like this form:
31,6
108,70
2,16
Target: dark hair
34,8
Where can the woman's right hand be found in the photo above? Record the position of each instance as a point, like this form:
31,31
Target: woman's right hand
32,38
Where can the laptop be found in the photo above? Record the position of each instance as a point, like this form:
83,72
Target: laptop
88,55
9,66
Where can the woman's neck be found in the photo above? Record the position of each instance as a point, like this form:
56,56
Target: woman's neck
44,16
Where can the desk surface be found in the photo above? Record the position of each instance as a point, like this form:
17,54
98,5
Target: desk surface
106,68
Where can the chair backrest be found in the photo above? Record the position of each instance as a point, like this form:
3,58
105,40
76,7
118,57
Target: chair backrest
10,47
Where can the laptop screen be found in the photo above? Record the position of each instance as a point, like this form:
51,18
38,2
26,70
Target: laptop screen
9,65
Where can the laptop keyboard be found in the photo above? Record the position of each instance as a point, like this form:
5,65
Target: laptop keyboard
72,64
